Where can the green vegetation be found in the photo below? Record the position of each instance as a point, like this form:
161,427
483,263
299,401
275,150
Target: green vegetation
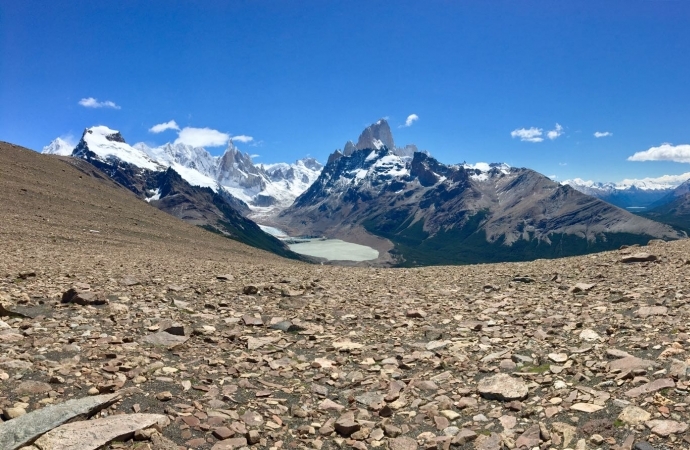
680,222
467,244
538,369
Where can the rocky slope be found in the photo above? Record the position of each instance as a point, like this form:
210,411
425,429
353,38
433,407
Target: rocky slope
169,337
441,214
673,209
258,186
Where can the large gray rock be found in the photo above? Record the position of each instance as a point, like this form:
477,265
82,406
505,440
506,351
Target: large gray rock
502,387
165,339
25,429
93,434
651,387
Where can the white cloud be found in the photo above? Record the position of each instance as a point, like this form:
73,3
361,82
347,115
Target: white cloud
528,134
412,118
254,156
91,102
242,138
553,177
202,137
553,134
601,134
669,180
161,127
664,152
562,164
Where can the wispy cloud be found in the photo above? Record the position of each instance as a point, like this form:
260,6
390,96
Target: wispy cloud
553,177
528,134
664,152
601,134
412,118
254,156
562,164
242,138
557,131
202,137
161,127
91,102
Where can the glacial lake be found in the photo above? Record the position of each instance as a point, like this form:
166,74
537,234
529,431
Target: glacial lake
334,249
330,249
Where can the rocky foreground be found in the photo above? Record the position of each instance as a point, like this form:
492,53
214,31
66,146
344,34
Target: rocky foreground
187,352
123,327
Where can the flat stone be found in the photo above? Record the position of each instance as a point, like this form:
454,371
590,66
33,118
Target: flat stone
230,444
581,287
647,311
252,321
437,345
530,438
464,436
502,387
368,398
346,425
9,338
252,418
165,339
491,442
33,387
638,257
558,357
25,429
633,415
255,343
223,433
666,427
651,387
588,335
630,363
344,346
93,434
13,413
586,407
402,443
330,405
568,432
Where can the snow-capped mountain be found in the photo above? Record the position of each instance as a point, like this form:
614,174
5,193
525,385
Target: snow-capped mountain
264,187
159,177
433,213
630,193
58,147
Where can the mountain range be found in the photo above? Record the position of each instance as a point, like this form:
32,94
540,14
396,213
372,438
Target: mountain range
263,186
170,179
412,208
434,213
632,194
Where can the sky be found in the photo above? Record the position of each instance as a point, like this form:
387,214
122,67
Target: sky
595,90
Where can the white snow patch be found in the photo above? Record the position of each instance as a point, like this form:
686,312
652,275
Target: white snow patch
156,196
95,138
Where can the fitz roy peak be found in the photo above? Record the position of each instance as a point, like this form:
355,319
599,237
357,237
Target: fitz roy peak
427,212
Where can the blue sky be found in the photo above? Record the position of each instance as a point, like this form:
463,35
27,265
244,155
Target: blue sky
302,77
